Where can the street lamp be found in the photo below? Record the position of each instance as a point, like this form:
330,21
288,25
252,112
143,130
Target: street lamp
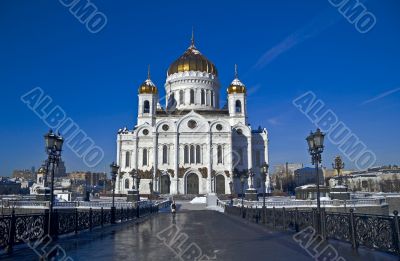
114,171
151,188
138,195
316,147
338,165
53,148
264,171
242,180
231,187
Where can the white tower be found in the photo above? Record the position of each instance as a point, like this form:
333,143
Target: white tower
237,101
147,104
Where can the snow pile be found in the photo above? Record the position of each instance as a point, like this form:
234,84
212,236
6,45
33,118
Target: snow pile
199,200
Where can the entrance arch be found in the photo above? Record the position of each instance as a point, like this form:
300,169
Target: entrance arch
220,184
165,183
192,184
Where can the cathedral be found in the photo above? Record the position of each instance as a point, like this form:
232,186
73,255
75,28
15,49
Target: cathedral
192,145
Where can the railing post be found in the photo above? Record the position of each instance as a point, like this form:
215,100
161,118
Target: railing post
273,218
102,217
296,222
54,224
322,223
90,219
11,234
353,229
76,221
397,230
284,218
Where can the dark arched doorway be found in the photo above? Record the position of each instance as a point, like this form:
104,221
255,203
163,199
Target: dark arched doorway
192,184
220,184
165,184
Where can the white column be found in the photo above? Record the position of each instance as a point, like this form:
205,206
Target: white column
174,189
155,156
210,162
249,157
117,181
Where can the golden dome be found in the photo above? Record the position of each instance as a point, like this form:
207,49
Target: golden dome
192,60
236,85
148,86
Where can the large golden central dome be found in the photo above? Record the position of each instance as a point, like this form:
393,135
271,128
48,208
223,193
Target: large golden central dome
192,60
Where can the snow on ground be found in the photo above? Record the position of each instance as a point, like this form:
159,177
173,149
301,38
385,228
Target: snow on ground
199,200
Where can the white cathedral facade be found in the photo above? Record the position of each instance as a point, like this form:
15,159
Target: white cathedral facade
192,145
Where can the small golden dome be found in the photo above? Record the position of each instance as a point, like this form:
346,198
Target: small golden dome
236,85
148,86
192,60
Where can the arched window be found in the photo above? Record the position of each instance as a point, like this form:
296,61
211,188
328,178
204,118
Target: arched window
192,96
145,157
165,154
191,154
219,154
203,98
127,159
186,154
212,98
181,97
127,183
198,154
238,106
146,107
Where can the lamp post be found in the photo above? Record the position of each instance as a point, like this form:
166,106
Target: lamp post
151,188
138,195
338,165
54,145
316,147
264,171
242,180
231,187
114,171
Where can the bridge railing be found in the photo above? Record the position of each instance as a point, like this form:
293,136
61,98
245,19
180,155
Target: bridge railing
17,229
371,231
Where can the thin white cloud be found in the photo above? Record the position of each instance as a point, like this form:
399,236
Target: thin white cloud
273,121
381,96
317,25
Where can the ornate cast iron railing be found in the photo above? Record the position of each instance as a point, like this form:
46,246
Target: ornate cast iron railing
371,231
17,229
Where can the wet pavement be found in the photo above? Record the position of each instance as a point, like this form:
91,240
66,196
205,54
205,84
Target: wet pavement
209,234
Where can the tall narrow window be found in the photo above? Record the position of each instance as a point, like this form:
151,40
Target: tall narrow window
240,151
181,97
203,98
192,96
238,106
145,157
186,154
198,154
212,98
165,154
258,159
127,183
127,159
219,154
146,107
191,154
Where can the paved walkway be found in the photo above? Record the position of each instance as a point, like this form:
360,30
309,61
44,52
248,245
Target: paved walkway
211,234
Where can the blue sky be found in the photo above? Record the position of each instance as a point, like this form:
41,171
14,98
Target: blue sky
94,77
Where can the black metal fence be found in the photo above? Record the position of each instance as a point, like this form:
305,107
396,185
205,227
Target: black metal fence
17,229
372,231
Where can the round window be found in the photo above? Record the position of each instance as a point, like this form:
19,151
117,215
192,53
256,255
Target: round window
145,132
218,127
192,124
165,127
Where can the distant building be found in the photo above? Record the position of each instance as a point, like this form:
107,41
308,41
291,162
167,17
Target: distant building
307,175
26,174
88,178
9,186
